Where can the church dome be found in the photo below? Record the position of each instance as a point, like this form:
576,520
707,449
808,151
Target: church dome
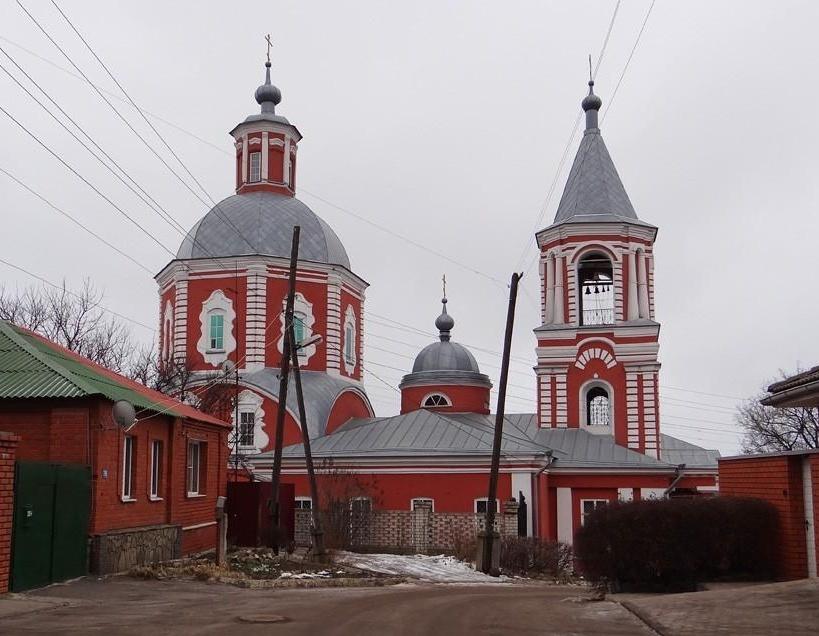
445,361
262,223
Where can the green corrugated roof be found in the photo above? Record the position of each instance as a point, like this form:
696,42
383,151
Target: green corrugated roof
32,367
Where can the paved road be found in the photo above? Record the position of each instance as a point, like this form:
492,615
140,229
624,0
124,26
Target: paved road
128,606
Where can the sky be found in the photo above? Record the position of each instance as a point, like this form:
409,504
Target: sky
433,132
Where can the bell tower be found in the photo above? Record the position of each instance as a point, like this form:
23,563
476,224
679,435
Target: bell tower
597,347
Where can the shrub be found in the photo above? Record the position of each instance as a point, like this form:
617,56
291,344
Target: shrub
526,556
671,545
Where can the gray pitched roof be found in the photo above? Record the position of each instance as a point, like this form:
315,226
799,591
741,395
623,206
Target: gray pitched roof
417,433
320,393
594,191
262,223
677,451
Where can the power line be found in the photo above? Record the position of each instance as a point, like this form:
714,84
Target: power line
74,220
628,61
522,258
71,293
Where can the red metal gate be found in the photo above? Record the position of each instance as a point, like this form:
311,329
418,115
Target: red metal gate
249,512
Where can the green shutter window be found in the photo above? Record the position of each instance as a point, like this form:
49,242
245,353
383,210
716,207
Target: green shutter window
298,328
217,330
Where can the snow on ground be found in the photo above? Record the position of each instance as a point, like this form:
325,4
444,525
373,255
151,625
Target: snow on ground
434,569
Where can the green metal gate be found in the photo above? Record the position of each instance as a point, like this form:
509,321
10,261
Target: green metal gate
50,533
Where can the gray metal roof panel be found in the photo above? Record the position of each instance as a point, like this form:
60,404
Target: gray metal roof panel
677,451
320,393
262,223
594,191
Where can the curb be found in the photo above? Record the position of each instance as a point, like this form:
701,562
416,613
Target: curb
643,617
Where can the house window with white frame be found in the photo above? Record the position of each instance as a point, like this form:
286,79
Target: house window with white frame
195,467
304,503
480,506
156,469
419,503
255,167
247,428
588,506
128,468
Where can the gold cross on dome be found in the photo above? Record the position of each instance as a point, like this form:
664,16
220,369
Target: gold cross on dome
269,46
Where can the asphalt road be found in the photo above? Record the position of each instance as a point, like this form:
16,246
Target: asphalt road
127,606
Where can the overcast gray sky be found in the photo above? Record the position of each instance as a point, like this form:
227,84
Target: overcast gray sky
445,122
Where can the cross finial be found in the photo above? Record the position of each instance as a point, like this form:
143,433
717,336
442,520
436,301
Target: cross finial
443,284
269,46
591,74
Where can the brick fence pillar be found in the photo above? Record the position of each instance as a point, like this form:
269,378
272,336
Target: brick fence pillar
8,448
509,527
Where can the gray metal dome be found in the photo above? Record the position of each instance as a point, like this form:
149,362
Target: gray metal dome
445,356
262,223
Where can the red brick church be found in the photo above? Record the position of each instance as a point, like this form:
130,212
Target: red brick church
596,436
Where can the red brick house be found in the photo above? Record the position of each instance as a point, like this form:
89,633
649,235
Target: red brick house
789,480
81,480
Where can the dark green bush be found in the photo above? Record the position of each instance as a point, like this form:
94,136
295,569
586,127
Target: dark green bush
527,556
671,545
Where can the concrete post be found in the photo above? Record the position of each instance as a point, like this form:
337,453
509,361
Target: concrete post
221,532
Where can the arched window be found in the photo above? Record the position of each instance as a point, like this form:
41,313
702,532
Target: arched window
598,409
596,290
435,399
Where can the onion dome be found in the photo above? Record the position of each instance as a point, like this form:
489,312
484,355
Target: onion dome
267,95
591,101
445,362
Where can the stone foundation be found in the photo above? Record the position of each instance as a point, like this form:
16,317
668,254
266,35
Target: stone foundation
120,550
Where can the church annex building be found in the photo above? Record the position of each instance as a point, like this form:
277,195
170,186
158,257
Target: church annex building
596,436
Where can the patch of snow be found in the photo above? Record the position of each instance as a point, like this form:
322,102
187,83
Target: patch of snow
434,569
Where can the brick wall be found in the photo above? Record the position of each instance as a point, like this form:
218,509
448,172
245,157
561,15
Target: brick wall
418,530
776,479
8,446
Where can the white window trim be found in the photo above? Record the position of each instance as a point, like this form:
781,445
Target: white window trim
584,391
305,309
349,322
193,493
217,302
414,499
597,500
440,406
128,473
155,495
352,499
497,505
258,179
310,499
250,402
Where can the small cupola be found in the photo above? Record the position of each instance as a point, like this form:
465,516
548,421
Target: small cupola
445,375
266,144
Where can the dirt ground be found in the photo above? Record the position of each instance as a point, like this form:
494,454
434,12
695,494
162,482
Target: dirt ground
124,605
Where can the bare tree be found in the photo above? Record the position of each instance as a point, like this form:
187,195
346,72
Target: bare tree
769,428
76,321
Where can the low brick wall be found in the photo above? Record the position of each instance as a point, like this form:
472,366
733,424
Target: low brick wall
120,550
8,446
419,531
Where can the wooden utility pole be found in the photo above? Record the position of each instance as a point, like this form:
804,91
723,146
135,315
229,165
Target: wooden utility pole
490,537
284,371
315,528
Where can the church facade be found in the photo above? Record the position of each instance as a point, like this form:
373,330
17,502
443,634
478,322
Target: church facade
596,434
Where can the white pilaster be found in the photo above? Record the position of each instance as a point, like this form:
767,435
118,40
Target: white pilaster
642,284
558,292
618,290
265,156
256,317
286,161
180,318
334,324
650,415
633,307
546,401
565,518
562,409
550,289
632,412
244,159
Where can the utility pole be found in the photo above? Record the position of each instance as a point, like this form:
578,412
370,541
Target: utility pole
316,531
284,371
491,542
